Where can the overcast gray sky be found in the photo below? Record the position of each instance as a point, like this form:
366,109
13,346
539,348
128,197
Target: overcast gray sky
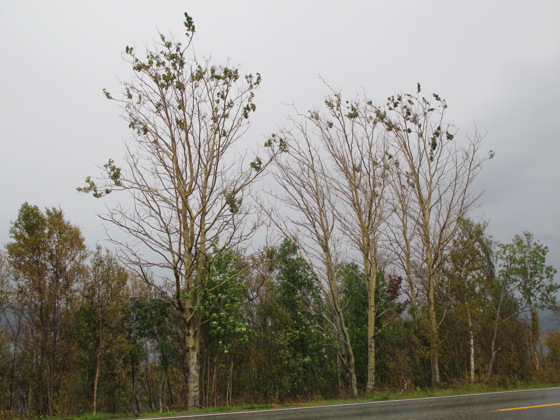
496,62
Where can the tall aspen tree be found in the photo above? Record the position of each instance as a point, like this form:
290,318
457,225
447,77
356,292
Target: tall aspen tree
439,171
348,132
187,181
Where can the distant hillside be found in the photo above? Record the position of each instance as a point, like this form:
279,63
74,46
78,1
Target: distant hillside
548,321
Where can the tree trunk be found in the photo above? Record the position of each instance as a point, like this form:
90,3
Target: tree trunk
136,408
341,380
343,337
50,379
349,364
345,356
493,347
495,336
434,338
96,378
207,382
347,360
408,272
352,377
214,398
347,384
535,336
229,385
171,402
370,386
193,366
471,349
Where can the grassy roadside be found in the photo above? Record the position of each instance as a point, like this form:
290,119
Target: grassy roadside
379,396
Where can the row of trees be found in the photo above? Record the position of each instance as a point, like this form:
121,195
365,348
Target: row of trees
79,332
377,272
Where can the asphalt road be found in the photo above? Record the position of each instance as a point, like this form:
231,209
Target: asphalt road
525,404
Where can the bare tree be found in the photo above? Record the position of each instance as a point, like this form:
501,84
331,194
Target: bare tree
439,173
306,189
186,180
348,132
